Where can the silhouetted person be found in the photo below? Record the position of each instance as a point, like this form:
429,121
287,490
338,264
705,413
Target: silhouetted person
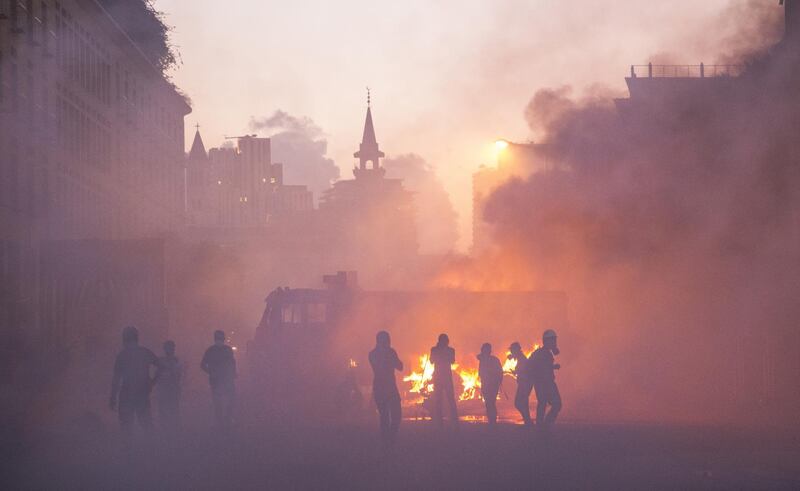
131,383
524,384
491,373
168,389
442,357
384,361
542,370
220,365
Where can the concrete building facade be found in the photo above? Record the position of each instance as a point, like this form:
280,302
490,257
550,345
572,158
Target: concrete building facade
91,159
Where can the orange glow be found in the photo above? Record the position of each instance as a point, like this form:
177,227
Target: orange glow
511,363
471,383
509,271
422,381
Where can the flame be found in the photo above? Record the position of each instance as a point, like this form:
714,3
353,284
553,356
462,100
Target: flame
471,382
510,364
422,380
353,363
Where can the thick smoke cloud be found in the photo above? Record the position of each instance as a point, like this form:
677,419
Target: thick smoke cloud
673,227
299,144
748,28
436,218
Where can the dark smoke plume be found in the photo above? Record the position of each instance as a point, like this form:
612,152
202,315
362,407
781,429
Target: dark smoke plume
300,145
436,219
674,226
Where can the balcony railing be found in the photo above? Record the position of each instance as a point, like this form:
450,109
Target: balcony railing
685,71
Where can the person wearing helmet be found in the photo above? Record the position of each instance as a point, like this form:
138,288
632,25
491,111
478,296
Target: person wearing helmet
220,365
524,386
542,369
384,361
168,389
131,382
442,357
491,375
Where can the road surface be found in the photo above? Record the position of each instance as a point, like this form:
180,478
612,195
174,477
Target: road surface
279,456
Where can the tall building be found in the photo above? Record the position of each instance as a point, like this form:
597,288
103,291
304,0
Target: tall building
239,187
91,152
91,131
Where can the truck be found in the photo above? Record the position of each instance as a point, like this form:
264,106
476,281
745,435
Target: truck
309,353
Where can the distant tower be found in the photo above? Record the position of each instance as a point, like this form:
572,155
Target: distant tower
369,151
195,182
198,150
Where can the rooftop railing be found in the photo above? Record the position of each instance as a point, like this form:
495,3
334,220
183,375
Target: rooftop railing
685,71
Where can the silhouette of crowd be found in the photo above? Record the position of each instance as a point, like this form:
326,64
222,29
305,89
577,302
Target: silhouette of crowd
534,373
137,371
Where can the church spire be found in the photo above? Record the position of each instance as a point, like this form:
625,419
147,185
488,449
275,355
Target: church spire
198,150
369,151
369,130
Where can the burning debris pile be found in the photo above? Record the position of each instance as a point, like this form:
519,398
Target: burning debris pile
422,382
421,385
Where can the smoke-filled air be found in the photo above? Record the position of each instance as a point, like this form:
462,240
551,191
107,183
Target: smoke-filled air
475,245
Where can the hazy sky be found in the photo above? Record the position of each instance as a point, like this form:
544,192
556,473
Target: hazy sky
447,77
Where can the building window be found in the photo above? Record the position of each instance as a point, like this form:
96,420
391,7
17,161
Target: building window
292,314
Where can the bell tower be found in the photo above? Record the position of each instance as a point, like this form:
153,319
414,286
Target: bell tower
368,151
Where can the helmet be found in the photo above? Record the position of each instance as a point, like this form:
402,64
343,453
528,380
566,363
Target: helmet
549,334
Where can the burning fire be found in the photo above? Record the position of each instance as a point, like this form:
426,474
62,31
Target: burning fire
422,380
511,363
353,363
471,382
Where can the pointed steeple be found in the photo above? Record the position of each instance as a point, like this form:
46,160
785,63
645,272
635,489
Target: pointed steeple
198,150
369,130
369,151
